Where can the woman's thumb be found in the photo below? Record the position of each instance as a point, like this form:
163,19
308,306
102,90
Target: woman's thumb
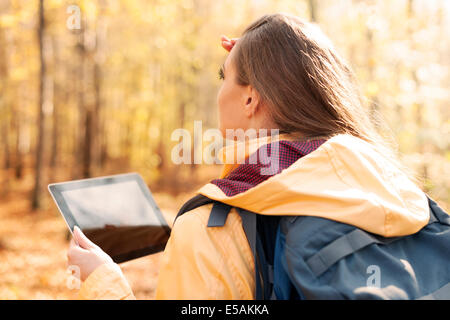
81,239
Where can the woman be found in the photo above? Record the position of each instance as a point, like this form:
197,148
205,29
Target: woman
282,74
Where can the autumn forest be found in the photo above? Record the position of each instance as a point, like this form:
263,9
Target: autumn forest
97,87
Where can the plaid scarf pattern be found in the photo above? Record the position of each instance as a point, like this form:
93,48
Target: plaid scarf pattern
266,162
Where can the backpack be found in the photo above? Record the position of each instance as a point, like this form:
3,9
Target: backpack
305,257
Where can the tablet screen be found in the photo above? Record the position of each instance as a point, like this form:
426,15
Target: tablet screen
117,213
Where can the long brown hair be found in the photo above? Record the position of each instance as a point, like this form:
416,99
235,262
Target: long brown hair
307,87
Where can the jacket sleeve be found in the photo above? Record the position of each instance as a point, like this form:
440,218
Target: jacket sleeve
198,263
106,283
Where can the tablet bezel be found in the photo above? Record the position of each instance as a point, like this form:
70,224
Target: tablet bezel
56,190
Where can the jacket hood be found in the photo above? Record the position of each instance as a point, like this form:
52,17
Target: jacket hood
345,179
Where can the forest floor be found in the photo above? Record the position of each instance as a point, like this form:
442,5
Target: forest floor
33,248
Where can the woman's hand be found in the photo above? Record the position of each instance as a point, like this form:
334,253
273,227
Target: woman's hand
227,43
85,254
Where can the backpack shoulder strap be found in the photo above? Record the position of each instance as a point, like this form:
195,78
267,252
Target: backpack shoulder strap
195,202
437,213
341,247
356,240
217,218
219,212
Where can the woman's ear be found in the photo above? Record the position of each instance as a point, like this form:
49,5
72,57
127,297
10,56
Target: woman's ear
252,101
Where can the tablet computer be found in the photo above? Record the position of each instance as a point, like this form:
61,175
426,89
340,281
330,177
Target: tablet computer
118,213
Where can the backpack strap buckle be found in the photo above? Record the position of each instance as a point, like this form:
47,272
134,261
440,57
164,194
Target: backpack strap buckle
218,215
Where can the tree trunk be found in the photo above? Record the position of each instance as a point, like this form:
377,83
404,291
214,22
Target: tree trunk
5,135
18,164
57,99
85,121
3,105
35,203
95,133
312,4
87,155
161,152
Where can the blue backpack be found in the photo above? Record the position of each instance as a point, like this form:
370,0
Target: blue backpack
304,257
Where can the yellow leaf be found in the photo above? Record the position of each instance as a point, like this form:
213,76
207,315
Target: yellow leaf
372,89
447,155
8,20
18,74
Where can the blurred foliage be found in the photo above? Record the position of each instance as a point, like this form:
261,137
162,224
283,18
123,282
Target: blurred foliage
137,70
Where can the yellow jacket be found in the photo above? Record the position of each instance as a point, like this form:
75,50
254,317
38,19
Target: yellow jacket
345,179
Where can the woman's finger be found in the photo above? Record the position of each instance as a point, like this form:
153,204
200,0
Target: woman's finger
228,43
72,244
226,46
74,254
82,240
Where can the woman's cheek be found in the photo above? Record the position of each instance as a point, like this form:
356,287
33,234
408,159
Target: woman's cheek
221,111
